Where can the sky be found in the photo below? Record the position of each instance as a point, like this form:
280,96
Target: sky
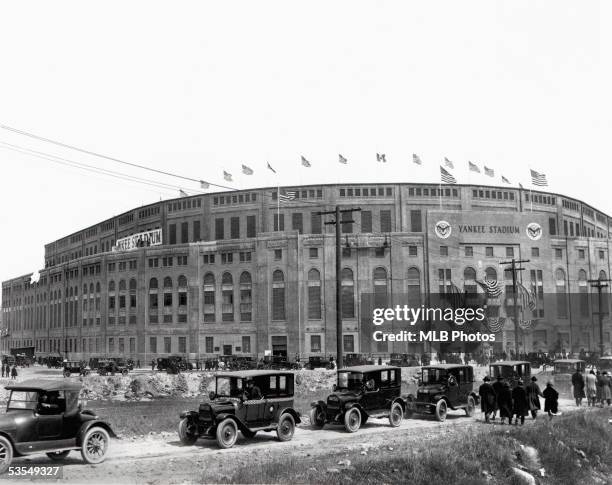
198,87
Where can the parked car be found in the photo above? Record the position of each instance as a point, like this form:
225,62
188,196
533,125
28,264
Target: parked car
352,360
319,362
605,363
109,366
44,416
562,374
361,392
441,387
511,371
233,408
277,362
122,365
404,360
173,364
75,367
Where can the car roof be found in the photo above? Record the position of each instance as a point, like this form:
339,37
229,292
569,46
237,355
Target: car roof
567,361
367,368
606,357
45,385
509,362
243,374
446,366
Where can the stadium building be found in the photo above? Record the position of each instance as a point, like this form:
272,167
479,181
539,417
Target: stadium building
243,272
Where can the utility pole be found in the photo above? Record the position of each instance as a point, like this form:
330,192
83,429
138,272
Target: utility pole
513,267
338,223
600,284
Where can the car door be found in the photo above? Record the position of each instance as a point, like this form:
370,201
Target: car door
371,397
255,408
453,387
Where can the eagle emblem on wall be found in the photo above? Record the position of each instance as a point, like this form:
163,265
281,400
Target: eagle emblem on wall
443,229
534,231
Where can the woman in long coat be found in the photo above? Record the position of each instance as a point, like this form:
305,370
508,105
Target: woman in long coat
533,397
578,387
504,403
606,393
599,396
591,388
520,406
487,398
551,397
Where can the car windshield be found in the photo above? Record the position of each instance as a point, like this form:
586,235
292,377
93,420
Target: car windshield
434,376
605,364
23,400
502,370
350,380
229,386
565,367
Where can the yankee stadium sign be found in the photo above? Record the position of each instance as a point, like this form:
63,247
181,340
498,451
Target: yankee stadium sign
142,239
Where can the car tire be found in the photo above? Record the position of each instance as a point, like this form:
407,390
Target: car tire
441,410
66,373
286,427
396,414
352,420
317,417
185,436
6,454
95,445
227,433
124,372
58,455
471,406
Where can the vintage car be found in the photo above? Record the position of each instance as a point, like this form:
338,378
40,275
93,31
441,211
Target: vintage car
276,362
352,360
44,416
362,392
75,367
511,371
404,360
605,363
441,387
173,364
320,362
562,374
236,406
109,366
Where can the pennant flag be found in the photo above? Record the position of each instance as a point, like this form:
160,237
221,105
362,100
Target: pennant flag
182,193
305,162
448,163
247,170
35,277
341,159
227,176
496,324
457,297
474,167
527,299
286,195
416,159
270,168
520,185
489,171
538,179
381,157
505,180
446,177
526,324
204,185
490,287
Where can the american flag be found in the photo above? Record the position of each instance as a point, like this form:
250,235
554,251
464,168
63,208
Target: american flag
474,167
286,195
489,171
227,176
341,159
247,170
381,157
270,168
538,179
204,185
527,299
305,162
416,159
490,287
182,193
496,324
505,180
446,177
448,163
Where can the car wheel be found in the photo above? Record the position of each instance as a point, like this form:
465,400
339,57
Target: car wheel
124,372
396,414
66,373
227,433
286,427
471,406
58,455
6,454
95,445
441,410
352,420
317,417
186,437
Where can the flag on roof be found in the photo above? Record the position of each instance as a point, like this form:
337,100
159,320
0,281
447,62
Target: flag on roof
204,185
305,162
448,163
182,193
505,180
247,170
270,167
489,171
416,159
227,176
286,195
446,177
381,157
474,167
538,178
341,159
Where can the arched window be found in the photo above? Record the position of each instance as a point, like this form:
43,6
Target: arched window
314,294
278,295
167,282
561,293
227,298
153,300
71,292
413,283
491,274
84,290
602,275
133,286
182,281
182,298
111,286
122,286
583,292
469,280
246,297
91,288
347,305
153,284
209,297
167,299
98,287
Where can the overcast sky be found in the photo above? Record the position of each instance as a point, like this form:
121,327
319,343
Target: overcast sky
201,87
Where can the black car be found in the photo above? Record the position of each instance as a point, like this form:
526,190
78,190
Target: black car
44,416
75,367
319,362
404,360
173,364
246,401
352,359
511,371
362,392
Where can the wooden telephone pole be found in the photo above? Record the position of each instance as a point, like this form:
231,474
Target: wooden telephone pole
513,267
600,284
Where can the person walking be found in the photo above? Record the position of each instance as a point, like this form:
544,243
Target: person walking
487,398
153,364
14,372
504,403
599,395
498,387
606,393
578,387
520,405
591,388
533,396
3,367
551,400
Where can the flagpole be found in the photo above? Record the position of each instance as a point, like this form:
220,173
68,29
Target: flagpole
277,204
440,194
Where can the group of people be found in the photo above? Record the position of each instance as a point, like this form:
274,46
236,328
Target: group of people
516,403
596,387
7,371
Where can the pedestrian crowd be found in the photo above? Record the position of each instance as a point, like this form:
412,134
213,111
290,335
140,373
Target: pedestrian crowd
596,387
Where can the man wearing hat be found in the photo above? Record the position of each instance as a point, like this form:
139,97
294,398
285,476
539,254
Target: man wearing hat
498,387
487,398
519,403
533,396
551,400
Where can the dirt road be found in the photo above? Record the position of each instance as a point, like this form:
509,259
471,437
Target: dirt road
162,458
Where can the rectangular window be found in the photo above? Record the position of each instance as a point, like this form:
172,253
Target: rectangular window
218,228
297,222
167,345
315,223
167,299
347,227
535,252
279,222
601,255
443,250
251,230
489,251
315,343
558,253
111,345
385,221
581,254
366,221
552,226
172,231
348,343
182,345
412,251
227,258
184,232
235,228
196,231
313,253
182,298
132,345
278,255
246,344
209,345
415,221
509,252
